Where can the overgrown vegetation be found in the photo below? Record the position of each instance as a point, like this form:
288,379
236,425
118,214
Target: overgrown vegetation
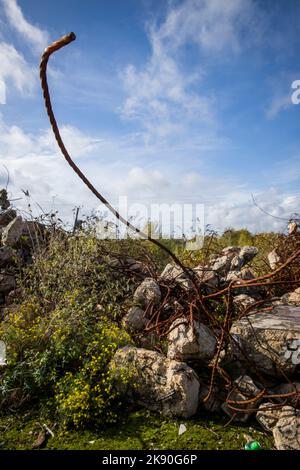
64,331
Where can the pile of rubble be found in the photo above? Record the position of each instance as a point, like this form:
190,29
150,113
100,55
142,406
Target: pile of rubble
244,364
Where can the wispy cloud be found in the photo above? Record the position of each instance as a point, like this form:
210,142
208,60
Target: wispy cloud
35,36
166,96
15,69
214,25
278,104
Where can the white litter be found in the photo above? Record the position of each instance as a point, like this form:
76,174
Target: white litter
182,429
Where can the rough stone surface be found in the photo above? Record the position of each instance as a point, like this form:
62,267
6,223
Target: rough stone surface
7,216
222,264
273,259
148,291
233,258
268,415
286,433
209,279
244,388
7,283
271,339
6,255
245,255
243,301
184,345
12,233
244,275
174,273
135,319
159,384
292,298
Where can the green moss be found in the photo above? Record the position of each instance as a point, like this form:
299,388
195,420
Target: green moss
139,430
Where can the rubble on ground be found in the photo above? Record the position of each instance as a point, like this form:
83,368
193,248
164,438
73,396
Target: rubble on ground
260,356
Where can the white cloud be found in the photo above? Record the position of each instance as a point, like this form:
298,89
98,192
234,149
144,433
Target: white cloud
14,68
278,104
214,25
162,96
16,144
34,163
35,36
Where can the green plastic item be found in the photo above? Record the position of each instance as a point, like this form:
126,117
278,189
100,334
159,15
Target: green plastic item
253,445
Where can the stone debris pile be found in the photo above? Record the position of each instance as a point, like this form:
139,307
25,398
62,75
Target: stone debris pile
187,365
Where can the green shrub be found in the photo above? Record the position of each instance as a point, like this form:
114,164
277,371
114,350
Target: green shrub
63,334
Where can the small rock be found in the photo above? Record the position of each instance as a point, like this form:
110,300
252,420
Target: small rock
209,279
267,416
222,265
174,273
147,292
245,255
273,259
186,343
243,301
244,275
233,259
135,319
292,298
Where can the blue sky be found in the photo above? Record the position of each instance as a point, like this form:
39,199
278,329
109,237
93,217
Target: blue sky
172,101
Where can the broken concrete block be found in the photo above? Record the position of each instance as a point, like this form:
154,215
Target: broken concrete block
186,343
270,339
158,383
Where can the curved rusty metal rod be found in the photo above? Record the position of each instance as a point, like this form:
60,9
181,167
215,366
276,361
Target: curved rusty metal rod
55,46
